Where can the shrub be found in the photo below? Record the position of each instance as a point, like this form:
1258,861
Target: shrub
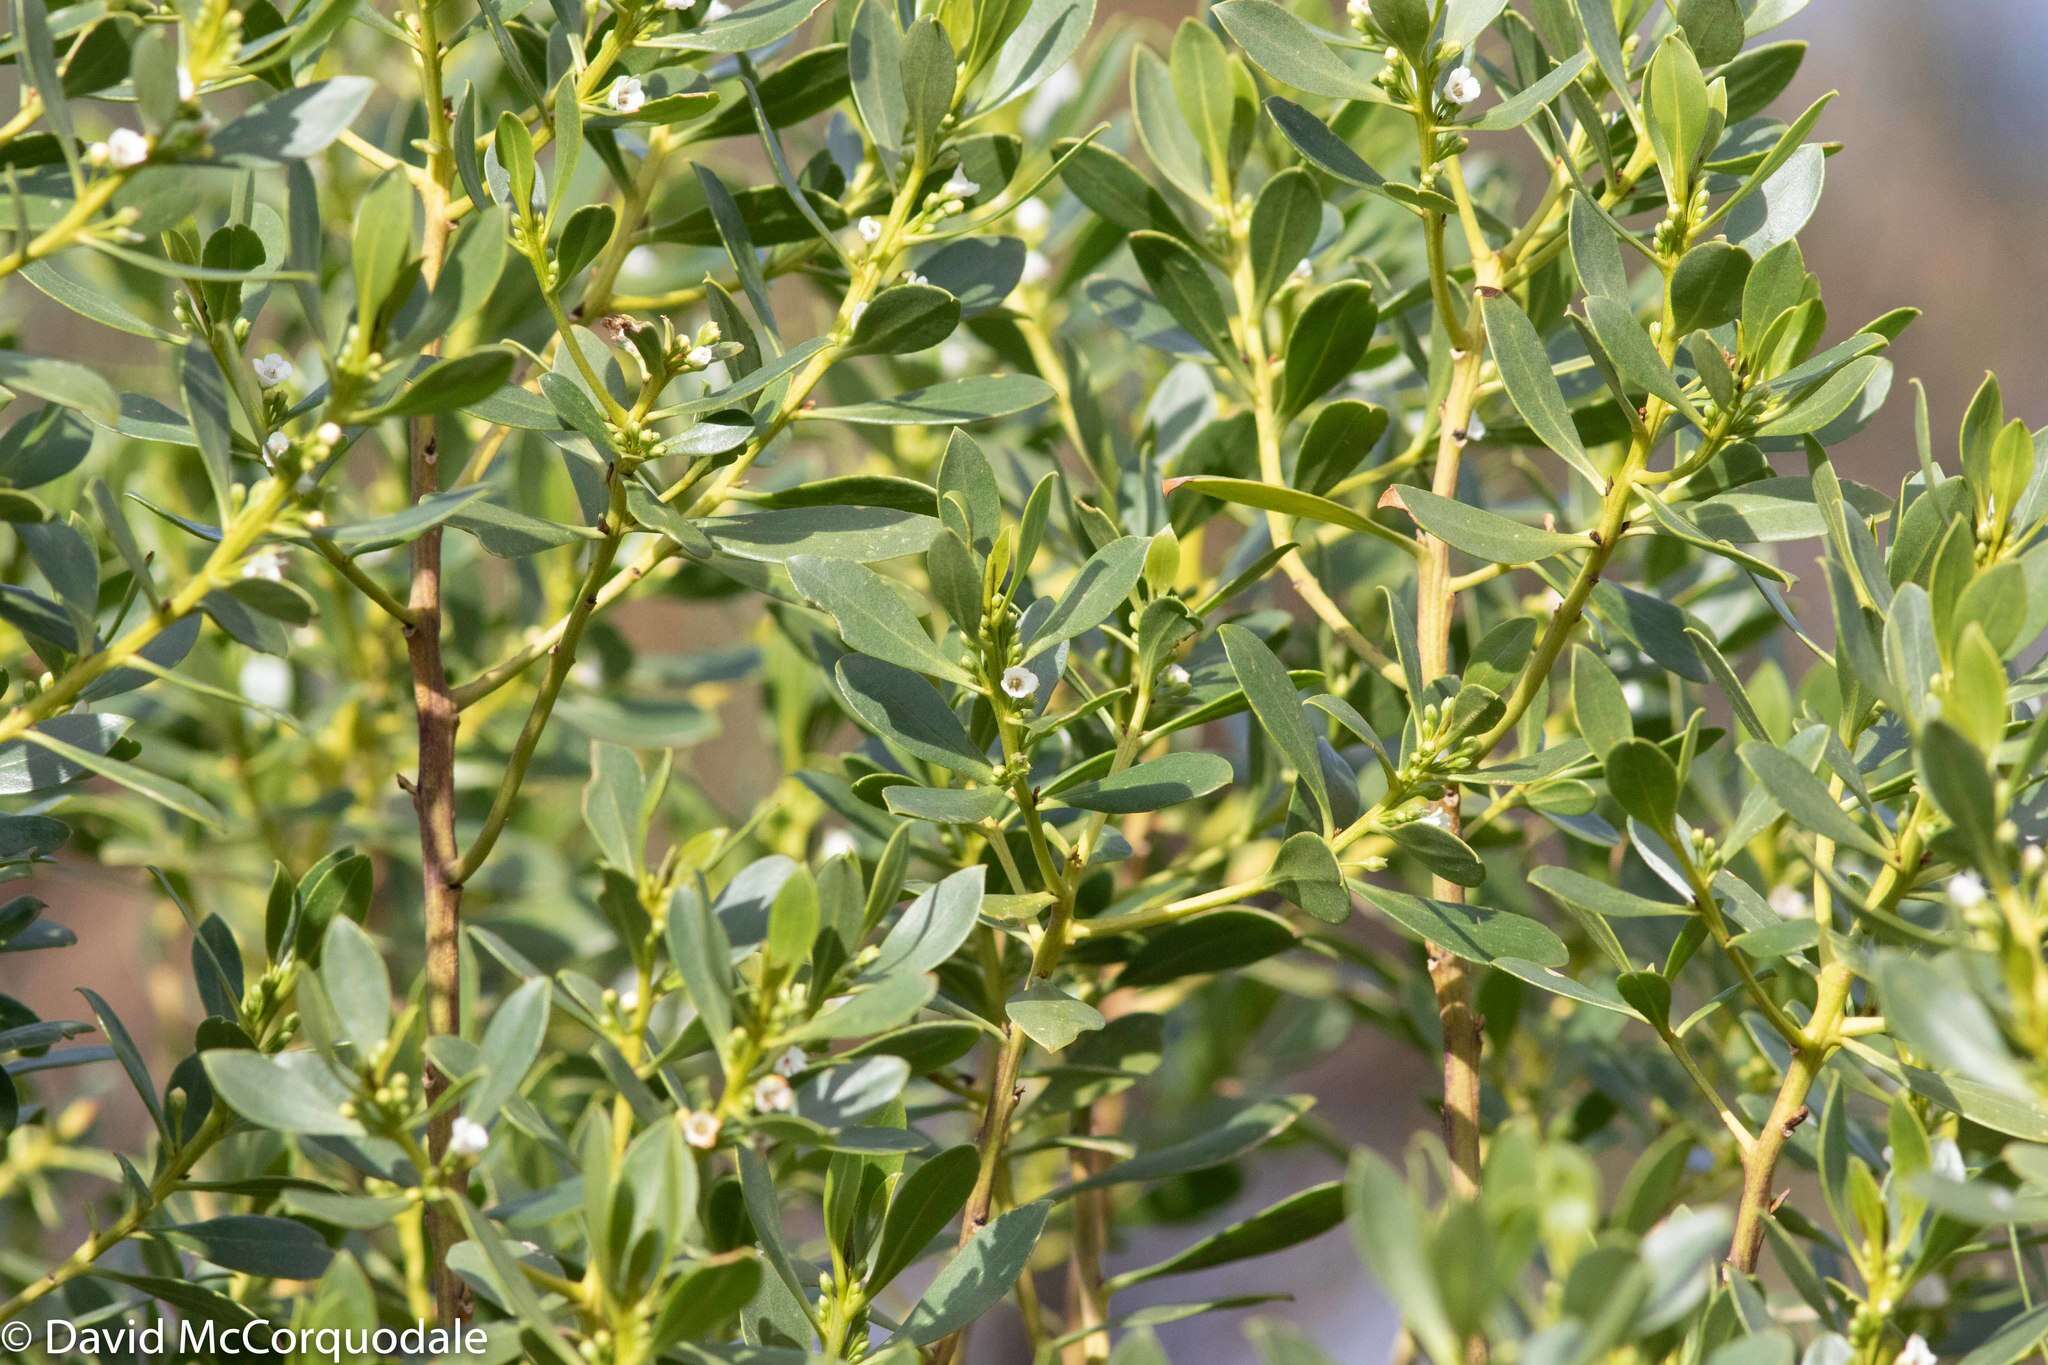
1431,553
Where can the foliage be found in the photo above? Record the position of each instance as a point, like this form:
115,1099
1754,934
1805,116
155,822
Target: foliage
1435,551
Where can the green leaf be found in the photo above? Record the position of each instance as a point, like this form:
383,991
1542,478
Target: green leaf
1598,704
130,1057
864,534
1713,28
1483,534
905,319
874,61
932,927
1327,343
1518,108
1635,355
1286,218
1339,438
1525,372
746,28
1152,785
293,126
256,1244
1289,51
1384,1217
1271,695
1321,147
1305,871
1805,798
1644,782
171,795
293,1092
928,74
1706,287
61,382
357,986
1187,290
511,1045
872,616
1165,133
979,1276
1206,87
1953,774
925,1201
948,805
1296,1219
698,947
1050,1017
1216,941
956,401
1103,584
1675,108
1469,931
1291,502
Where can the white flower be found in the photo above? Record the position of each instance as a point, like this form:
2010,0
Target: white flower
772,1095
328,434
700,1129
271,370
125,148
1019,682
677,6
267,564
1033,216
791,1061
716,10
837,843
1475,430
1966,890
1174,675
629,1001
870,228
276,444
1358,9
1304,271
186,89
912,277
1049,100
1462,87
853,314
958,186
700,357
955,356
1916,1351
1435,815
467,1138
626,95
1036,268
2032,857
1790,903
1945,1159
266,680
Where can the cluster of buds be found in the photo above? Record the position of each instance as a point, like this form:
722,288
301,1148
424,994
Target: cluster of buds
124,150
1437,748
391,1107
1674,229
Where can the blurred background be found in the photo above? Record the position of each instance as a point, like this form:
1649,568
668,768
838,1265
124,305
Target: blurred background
1936,199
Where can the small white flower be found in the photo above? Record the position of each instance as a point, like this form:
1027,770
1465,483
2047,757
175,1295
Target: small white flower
1929,1291
1174,675
276,444
1966,890
853,314
1475,429
126,149
700,1129
912,277
1358,9
1916,1351
266,680
2032,857
870,228
467,1138
626,95
186,89
958,186
303,485
677,6
791,1061
716,10
271,370
700,357
772,1095
328,434
629,1001
1036,268
266,564
955,356
1019,682
1790,903
1304,270
1945,1159
1033,216
1462,87
836,843
1436,815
